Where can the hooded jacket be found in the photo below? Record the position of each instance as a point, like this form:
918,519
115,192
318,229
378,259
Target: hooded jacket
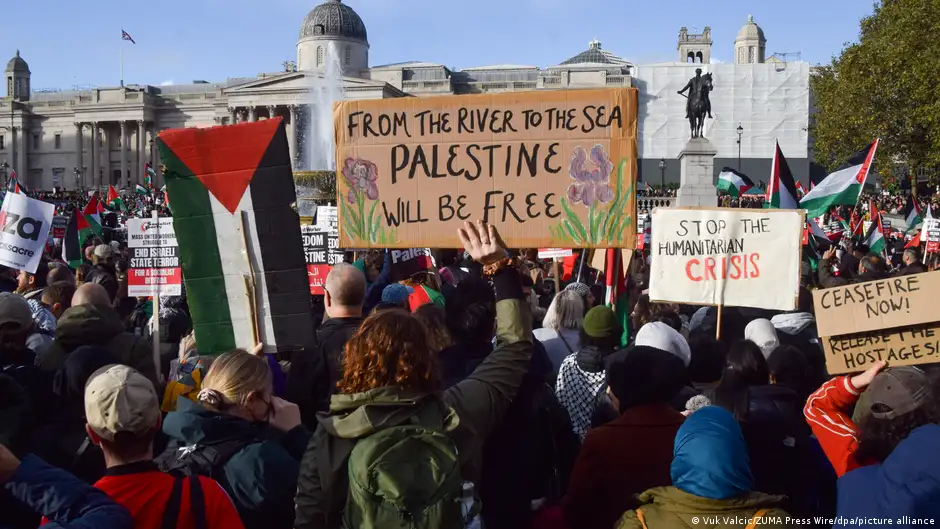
711,477
96,325
261,477
472,408
906,484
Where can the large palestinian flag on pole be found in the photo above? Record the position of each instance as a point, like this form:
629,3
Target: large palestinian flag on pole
239,238
781,191
843,186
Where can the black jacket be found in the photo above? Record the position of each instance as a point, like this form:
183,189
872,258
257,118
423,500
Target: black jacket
913,268
313,374
827,280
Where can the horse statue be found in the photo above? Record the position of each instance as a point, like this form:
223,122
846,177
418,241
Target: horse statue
699,105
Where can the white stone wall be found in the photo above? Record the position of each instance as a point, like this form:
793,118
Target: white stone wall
357,52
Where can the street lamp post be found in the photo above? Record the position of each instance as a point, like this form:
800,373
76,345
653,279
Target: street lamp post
5,167
78,177
740,133
662,175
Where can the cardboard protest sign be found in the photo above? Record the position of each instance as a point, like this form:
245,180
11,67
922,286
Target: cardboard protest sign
408,262
155,265
321,253
882,304
554,253
552,168
25,224
722,256
59,223
902,346
239,237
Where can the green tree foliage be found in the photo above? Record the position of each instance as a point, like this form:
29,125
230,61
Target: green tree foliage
885,86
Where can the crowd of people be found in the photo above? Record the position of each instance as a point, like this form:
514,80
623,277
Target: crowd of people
500,404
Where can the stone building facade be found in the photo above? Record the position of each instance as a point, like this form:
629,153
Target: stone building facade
99,136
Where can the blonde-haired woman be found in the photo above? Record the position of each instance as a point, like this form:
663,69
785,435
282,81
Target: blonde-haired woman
561,328
256,438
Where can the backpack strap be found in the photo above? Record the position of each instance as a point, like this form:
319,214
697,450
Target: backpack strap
197,502
642,518
757,515
172,511
567,345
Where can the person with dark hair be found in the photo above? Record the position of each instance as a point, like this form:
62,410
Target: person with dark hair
707,362
470,313
711,478
776,434
633,452
60,272
790,368
582,373
435,321
912,264
58,297
30,285
870,268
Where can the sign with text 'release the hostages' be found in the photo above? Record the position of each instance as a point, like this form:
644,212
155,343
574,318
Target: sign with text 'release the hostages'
547,168
155,264
736,257
889,319
24,229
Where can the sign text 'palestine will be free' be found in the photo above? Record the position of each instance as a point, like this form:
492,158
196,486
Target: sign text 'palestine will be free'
547,168
735,257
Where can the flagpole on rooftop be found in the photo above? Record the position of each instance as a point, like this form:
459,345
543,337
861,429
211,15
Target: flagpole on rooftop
122,58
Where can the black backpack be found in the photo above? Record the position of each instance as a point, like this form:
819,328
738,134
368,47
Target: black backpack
197,504
200,459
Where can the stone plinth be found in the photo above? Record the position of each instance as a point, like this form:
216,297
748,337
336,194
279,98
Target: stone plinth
697,170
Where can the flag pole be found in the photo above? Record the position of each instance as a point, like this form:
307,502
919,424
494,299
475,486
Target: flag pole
155,308
122,58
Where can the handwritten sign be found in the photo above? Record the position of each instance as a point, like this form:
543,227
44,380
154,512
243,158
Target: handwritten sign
875,305
723,256
554,168
911,345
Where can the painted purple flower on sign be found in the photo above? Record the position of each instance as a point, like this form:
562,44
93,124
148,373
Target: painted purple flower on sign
361,176
592,184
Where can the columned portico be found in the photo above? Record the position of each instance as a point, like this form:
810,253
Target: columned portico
79,146
125,179
292,134
95,155
140,151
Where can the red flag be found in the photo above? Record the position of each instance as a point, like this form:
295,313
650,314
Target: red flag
914,243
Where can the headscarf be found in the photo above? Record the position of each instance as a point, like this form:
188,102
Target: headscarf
763,333
710,456
660,336
79,365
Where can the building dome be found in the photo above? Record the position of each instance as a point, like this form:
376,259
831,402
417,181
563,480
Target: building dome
751,31
333,19
17,64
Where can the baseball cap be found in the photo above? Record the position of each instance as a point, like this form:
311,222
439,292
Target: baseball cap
119,399
102,251
15,309
897,391
396,293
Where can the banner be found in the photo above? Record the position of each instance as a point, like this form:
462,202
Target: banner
155,264
406,263
321,253
930,234
554,253
25,223
326,218
888,319
59,223
719,256
550,168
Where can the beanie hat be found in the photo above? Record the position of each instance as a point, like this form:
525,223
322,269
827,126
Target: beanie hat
658,335
601,322
643,375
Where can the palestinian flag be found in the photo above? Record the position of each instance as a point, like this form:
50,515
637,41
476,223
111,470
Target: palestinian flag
14,186
781,193
76,232
843,186
912,213
422,296
914,242
239,238
92,212
140,190
875,239
800,189
733,182
149,175
114,199
616,297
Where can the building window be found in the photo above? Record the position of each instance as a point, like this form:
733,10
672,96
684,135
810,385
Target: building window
2,143
319,55
58,174
750,54
58,140
35,142
347,60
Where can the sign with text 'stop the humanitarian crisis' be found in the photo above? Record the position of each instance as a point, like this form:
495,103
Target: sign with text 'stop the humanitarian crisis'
888,319
548,169
736,257
155,263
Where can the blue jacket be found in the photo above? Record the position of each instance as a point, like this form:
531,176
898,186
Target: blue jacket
63,499
906,484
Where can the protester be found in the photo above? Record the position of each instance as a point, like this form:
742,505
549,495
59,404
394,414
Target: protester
763,334
912,264
582,374
870,268
17,360
661,336
238,419
92,321
561,327
711,480
391,390
585,292
60,272
435,321
633,452
123,414
29,285
397,294
313,374
63,500
57,297
470,312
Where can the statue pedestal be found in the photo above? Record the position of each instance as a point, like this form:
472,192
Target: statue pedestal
697,170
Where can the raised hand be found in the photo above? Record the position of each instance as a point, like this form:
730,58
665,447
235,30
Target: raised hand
482,242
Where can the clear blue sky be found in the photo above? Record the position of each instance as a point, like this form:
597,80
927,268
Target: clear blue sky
70,42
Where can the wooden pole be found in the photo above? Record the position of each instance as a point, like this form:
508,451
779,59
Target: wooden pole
555,275
718,325
250,283
155,334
